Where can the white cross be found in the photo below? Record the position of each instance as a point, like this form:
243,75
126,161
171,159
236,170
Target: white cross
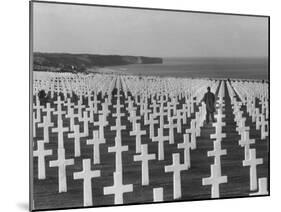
158,194
138,133
102,122
118,188
69,105
41,153
252,161
151,121
34,124
219,116
192,131
86,175
217,152
38,108
215,180
160,139
80,107
134,118
96,141
118,127
144,157
96,102
176,168
178,117
246,142
61,163
60,130
59,112
242,126
76,135
46,124
263,124
48,110
118,149
91,110
187,146
71,117
171,126
218,135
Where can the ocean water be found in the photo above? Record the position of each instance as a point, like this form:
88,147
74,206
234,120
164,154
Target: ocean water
237,68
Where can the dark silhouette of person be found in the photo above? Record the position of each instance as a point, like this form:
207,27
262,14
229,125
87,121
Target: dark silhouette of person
209,99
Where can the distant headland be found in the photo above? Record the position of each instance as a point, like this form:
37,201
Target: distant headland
65,62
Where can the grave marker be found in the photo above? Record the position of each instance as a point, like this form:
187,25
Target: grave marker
176,168
41,153
61,163
86,175
144,157
118,188
252,161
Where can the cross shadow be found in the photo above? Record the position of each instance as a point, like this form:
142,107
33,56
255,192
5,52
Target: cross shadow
23,206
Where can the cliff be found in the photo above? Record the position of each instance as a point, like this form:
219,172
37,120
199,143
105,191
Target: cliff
80,62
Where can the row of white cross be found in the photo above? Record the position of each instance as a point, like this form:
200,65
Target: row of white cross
154,113
252,94
245,142
216,178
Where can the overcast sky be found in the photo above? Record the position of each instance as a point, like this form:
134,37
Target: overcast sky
104,30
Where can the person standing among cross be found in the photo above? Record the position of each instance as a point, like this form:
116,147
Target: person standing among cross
210,100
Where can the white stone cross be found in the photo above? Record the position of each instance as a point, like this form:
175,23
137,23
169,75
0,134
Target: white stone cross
252,161
217,152
91,110
242,126
215,180
60,130
70,114
187,146
118,149
158,194
96,102
48,110
144,157
171,126
80,107
262,187
118,127
138,133
37,107
151,121
219,116
76,135
96,141
218,135
101,123
263,125
86,119
178,117
86,175
160,138
45,125
192,131
59,112
62,163
133,118
41,153
118,188
69,104
246,142
176,168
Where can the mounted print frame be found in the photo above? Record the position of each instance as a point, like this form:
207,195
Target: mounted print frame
142,105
